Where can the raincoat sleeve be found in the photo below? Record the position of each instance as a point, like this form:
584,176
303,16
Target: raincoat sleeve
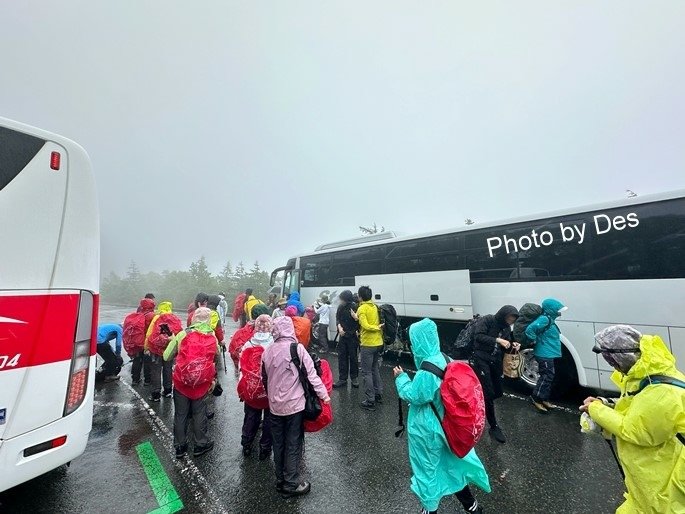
652,419
174,344
480,334
314,379
536,327
418,391
364,322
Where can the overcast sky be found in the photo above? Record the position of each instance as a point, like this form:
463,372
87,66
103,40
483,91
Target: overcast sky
256,130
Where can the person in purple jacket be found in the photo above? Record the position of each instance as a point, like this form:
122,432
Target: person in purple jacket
286,403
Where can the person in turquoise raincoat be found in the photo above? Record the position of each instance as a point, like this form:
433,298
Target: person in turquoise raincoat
437,471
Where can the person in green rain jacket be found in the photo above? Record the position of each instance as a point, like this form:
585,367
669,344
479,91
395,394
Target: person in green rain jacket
437,471
648,420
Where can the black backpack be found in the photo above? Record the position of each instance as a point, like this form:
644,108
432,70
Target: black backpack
463,346
391,325
312,406
527,314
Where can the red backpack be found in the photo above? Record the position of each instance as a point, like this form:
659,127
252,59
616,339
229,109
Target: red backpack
166,326
239,306
250,386
134,332
194,371
462,396
326,417
240,337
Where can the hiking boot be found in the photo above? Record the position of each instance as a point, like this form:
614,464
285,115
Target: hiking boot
247,451
355,383
368,405
154,398
112,378
547,405
539,406
379,398
167,394
300,490
339,384
181,451
201,450
264,453
497,434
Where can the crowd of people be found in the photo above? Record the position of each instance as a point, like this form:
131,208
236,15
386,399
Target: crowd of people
280,374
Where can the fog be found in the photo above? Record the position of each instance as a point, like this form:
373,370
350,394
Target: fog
256,130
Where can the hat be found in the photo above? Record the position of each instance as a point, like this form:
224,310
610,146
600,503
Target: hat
258,310
263,324
202,315
282,301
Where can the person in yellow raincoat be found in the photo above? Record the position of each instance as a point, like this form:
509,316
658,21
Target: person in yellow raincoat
646,420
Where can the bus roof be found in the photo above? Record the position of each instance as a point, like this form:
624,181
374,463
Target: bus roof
502,223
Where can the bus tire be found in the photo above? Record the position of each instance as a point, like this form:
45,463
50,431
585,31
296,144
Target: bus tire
565,376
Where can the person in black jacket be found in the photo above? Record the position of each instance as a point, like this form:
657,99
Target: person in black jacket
492,335
348,347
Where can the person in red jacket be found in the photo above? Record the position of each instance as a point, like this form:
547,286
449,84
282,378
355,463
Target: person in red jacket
140,361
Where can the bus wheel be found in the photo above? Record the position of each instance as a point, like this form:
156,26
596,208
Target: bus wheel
528,371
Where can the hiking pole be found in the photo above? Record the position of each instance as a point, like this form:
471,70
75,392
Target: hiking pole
613,452
223,354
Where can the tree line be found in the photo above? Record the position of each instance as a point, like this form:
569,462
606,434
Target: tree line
180,287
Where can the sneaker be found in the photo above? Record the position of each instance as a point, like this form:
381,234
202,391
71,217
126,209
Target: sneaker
155,398
181,451
355,383
167,394
201,450
368,405
497,434
264,454
547,405
539,406
339,384
247,451
300,490
379,398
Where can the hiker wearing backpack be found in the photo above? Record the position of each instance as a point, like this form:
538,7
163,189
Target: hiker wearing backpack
648,420
303,327
491,336
223,308
251,389
163,327
287,404
348,345
294,300
194,349
135,328
113,361
546,336
239,309
371,336
437,471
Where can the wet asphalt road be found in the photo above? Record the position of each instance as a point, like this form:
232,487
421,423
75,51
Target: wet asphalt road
355,465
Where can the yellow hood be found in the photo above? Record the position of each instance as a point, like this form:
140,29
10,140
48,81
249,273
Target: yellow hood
165,308
655,359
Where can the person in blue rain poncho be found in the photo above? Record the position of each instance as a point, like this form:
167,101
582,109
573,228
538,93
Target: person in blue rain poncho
437,471
294,300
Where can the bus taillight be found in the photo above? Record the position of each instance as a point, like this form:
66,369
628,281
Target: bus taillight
55,159
80,360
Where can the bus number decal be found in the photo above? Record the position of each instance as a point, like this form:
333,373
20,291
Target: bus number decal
7,362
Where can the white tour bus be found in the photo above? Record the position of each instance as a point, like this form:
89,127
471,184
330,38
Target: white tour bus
49,278
620,262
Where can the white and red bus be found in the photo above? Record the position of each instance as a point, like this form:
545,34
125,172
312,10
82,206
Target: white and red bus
618,262
49,279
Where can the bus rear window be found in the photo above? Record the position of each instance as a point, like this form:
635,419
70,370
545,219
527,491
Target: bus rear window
16,151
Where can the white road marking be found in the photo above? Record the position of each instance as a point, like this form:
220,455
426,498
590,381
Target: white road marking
204,496
118,405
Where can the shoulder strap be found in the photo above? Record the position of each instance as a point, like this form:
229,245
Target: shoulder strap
662,379
293,354
432,368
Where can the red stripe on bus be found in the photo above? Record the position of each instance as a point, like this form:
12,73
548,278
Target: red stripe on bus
38,329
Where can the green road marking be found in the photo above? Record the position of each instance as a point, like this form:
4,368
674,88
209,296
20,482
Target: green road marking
167,497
